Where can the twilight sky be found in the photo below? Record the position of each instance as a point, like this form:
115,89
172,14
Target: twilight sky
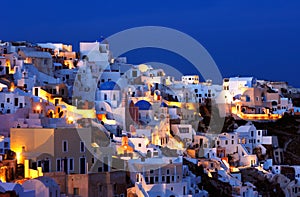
258,38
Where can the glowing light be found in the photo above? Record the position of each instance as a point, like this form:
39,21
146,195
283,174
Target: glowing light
255,116
3,179
181,145
209,174
19,157
95,145
38,107
70,119
12,87
85,113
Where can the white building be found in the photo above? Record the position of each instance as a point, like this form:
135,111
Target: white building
110,92
42,186
184,131
4,144
190,79
10,102
162,177
95,51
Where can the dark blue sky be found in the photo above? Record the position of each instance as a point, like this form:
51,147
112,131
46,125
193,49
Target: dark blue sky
259,38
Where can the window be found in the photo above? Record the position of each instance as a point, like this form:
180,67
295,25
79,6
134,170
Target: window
134,73
163,178
82,147
8,100
226,142
100,188
16,102
140,145
58,165
2,105
71,164
232,141
151,171
75,191
247,98
184,130
168,171
65,146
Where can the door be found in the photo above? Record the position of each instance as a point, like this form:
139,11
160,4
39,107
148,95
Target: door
82,165
46,166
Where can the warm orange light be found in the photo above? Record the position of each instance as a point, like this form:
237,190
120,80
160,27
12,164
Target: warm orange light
70,120
181,145
12,87
38,107
85,113
19,157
